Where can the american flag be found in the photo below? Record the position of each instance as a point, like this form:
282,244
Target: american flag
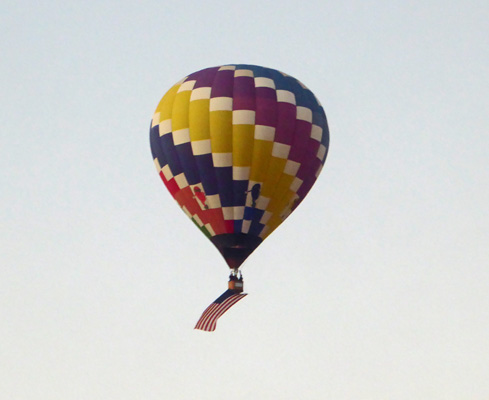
224,302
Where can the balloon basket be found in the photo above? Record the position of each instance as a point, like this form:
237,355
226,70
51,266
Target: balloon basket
236,283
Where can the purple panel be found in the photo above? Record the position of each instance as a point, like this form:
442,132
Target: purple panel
309,165
194,75
266,107
266,93
306,186
312,147
223,84
205,78
301,138
244,93
286,117
306,164
202,74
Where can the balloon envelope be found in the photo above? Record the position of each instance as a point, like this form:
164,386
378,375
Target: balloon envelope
239,147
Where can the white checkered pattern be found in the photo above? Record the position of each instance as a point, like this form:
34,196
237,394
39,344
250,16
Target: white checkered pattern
198,220
241,173
222,159
263,132
284,96
262,202
264,82
185,86
156,120
246,226
181,136
228,213
243,72
238,213
209,228
291,167
167,172
243,117
265,217
213,201
200,147
296,184
221,104
181,180
280,150
165,127
316,133
321,152
304,114
202,93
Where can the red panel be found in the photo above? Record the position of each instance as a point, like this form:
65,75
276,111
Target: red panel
229,226
171,185
214,217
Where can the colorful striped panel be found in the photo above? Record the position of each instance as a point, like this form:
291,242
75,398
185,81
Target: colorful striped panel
239,147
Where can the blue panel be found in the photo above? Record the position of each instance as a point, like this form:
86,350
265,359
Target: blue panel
206,169
301,97
187,160
257,70
156,150
239,189
281,82
318,117
238,225
166,142
309,100
253,214
224,177
255,228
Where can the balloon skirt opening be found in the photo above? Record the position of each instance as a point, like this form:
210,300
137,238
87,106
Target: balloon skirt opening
235,247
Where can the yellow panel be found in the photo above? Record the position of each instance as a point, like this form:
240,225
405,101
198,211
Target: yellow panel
274,221
179,117
262,152
243,144
221,124
280,209
279,201
166,103
279,197
273,224
274,171
199,119
289,203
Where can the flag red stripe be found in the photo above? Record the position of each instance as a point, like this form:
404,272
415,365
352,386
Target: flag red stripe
208,320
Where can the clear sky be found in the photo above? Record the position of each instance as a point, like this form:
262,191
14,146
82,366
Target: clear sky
377,287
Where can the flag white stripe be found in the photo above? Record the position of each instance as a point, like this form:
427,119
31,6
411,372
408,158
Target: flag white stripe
205,314
219,311
208,320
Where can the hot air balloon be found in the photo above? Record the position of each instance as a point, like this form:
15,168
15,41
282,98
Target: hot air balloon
238,147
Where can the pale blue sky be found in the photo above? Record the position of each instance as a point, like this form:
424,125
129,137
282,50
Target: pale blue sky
377,287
